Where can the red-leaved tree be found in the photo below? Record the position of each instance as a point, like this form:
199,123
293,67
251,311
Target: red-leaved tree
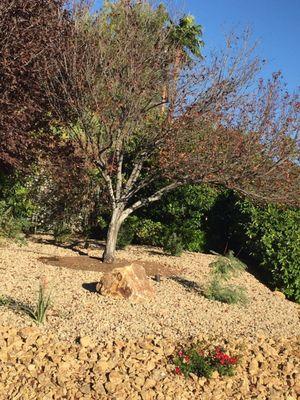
32,35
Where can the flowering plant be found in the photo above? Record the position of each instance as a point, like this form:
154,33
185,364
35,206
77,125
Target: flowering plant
203,362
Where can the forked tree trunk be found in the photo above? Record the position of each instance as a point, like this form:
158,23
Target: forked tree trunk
112,236
120,213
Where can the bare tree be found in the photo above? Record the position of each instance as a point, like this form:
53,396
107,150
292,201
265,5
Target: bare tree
213,129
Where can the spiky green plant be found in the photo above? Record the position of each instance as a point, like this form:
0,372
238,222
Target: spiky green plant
224,268
229,294
43,303
38,314
228,266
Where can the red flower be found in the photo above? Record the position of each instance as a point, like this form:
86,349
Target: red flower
177,370
180,353
187,359
223,358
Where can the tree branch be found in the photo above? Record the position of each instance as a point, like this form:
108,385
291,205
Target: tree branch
154,197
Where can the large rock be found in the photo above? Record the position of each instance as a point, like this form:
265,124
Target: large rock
129,282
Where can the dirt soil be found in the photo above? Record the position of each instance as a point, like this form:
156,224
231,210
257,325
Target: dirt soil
86,263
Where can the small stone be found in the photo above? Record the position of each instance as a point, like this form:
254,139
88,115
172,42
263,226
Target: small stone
279,294
253,367
85,389
116,377
148,394
86,341
103,366
150,383
110,387
215,375
150,366
245,386
31,367
24,333
169,350
99,388
202,381
260,358
139,381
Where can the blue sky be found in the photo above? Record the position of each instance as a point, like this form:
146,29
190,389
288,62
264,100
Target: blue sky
274,23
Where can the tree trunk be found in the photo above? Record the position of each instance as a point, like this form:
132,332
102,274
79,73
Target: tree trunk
112,236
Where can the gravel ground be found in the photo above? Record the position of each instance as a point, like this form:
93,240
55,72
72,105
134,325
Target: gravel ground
38,367
178,311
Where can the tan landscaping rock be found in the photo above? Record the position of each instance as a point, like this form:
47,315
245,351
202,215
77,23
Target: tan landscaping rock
86,341
253,367
279,294
128,282
215,375
116,377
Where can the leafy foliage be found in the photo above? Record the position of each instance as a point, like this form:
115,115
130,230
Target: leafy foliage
32,35
187,36
125,237
203,362
16,208
62,233
10,227
183,211
273,241
173,245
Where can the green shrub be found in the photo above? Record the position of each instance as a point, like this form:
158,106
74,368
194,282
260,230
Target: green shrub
182,211
173,245
11,227
16,208
273,240
224,268
147,232
125,237
62,233
226,293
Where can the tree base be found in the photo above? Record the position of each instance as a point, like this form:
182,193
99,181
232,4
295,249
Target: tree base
108,258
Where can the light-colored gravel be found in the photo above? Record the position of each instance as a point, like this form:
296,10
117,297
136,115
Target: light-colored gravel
124,349
178,311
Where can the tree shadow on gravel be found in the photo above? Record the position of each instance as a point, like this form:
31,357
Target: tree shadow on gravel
76,245
188,285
